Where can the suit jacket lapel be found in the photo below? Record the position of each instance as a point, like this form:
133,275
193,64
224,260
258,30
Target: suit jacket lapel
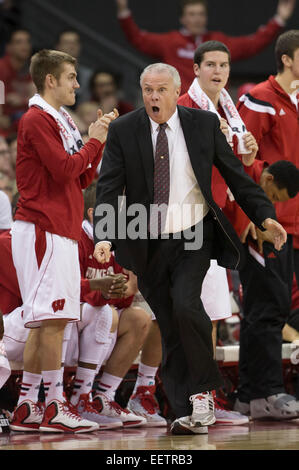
146,149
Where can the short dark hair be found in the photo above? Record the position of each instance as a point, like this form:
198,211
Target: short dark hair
286,176
48,61
287,43
89,196
185,3
210,46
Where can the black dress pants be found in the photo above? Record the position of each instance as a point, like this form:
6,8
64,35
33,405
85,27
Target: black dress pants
172,287
266,307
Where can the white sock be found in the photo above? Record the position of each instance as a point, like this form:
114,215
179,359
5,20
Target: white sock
145,377
53,385
30,387
83,383
108,384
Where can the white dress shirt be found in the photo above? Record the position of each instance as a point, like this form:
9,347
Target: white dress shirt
186,206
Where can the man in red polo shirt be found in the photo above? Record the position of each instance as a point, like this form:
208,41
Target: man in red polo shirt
177,47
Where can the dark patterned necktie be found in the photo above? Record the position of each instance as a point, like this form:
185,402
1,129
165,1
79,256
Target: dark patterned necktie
161,181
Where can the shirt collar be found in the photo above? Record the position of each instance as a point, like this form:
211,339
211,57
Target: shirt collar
172,122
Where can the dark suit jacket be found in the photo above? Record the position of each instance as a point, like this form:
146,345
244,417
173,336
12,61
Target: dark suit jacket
128,168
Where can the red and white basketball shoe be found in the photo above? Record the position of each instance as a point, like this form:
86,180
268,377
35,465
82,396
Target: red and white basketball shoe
27,417
143,403
87,410
63,417
112,409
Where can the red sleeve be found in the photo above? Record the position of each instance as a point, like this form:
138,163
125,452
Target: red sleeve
255,170
145,42
87,178
243,47
233,212
43,135
257,122
85,287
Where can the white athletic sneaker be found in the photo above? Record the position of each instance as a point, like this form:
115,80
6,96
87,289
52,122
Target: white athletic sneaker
203,409
280,406
112,409
228,417
63,417
184,425
86,409
143,403
27,417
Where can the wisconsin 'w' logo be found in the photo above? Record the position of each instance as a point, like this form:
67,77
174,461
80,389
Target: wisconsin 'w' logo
58,304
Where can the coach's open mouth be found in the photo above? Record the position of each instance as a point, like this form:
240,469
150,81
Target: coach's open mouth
155,109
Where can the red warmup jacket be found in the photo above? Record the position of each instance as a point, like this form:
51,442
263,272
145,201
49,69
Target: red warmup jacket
91,269
273,119
219,186
50,181
10,297
177,48
232,210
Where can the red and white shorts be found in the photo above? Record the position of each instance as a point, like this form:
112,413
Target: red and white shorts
15,335
48,273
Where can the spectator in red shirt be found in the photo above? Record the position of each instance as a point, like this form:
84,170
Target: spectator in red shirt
14,73
177,47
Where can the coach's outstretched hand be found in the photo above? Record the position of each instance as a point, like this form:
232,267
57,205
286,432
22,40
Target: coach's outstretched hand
275,233
99,129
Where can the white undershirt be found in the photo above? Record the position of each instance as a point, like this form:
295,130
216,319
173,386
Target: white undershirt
187,205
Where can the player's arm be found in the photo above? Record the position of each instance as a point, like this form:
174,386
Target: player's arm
243,47
258,116
250,197
89,175
44,137
146,42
